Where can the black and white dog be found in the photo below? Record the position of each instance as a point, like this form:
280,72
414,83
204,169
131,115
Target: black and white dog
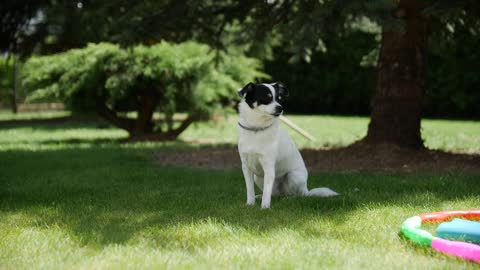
269,157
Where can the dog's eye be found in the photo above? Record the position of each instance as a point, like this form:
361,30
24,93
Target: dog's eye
269,95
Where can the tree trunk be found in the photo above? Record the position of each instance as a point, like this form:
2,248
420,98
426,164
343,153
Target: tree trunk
14,85
141,129
165,135
111,116
401,70
144,122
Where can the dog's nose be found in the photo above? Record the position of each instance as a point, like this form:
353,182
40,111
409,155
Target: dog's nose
278,109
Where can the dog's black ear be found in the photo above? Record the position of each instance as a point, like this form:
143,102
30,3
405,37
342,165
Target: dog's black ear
246,89
281,89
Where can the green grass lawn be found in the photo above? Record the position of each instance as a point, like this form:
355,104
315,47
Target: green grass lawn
72,197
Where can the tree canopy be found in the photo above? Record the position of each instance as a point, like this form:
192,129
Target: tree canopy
301,23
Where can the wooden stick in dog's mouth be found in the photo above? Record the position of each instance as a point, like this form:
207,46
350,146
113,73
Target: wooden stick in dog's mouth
297,128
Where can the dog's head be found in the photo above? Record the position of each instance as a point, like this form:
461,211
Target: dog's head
264,98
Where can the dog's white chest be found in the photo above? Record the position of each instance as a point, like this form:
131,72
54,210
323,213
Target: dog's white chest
253,163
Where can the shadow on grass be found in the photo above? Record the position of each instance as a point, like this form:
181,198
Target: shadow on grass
108,194
52,122
383,159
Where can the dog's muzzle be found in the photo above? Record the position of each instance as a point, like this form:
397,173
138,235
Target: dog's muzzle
278,110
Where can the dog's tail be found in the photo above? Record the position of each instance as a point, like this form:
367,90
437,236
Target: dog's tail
322,192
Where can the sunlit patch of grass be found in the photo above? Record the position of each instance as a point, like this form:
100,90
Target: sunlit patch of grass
339,131
452,135
8,115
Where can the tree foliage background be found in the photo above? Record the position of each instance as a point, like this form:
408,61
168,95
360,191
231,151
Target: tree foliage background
325,50
6,80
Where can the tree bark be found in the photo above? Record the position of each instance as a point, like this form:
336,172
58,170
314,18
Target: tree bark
401,70
166,135
14,84
112,117
144,124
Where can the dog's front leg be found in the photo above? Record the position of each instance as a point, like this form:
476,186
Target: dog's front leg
248,175
268,180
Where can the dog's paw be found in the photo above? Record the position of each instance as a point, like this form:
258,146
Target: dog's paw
265,205
250,202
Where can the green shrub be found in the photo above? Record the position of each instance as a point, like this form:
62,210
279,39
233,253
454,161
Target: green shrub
168,78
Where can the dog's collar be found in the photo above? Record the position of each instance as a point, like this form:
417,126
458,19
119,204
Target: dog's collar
254,129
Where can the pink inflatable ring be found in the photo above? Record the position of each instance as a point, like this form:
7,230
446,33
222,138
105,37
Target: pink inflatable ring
411,228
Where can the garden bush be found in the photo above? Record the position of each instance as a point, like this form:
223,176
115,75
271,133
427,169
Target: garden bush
168,78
